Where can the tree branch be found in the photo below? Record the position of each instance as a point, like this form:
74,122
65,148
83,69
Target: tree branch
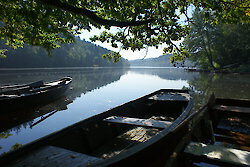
176,47
91,15
188,19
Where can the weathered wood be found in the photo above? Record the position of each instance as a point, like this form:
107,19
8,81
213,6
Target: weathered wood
171,97
231,142
214,153
20,88
125,141
209,130
51,156
236,137
233,109
139,122
233,102
235,124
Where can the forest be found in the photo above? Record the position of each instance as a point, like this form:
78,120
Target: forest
78,54
218,47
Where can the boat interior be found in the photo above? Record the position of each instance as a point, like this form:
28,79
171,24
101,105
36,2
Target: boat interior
122,127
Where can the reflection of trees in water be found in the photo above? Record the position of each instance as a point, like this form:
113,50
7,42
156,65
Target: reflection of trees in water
4,135
84,80
172,74
166,73
223,85
88,80
25,117
24,125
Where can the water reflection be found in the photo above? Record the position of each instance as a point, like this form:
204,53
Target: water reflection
84,80
166,73
25,117
95,90
222,85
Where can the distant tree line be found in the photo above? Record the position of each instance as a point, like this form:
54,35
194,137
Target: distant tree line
78,54
161,61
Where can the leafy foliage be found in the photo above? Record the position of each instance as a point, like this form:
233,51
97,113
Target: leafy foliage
2,53
218,46
142,23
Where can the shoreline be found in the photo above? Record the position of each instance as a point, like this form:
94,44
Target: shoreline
213,71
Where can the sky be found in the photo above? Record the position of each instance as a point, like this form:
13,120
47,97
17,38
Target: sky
127,54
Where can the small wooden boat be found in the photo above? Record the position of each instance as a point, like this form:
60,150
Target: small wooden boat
135,133
34,94
216,135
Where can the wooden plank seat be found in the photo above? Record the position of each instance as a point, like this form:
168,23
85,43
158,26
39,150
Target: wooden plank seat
51,156
170,97
216,154
228,140
234,124
239,138
236,109
139,122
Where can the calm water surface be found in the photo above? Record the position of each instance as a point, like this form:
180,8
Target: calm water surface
94,90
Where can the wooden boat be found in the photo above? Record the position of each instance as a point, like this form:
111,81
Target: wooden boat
34,94
216,135
135,133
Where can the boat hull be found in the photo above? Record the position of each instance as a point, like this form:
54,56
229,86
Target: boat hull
35,98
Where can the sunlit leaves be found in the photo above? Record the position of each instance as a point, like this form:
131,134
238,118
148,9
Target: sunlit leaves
112,56
180,54
2,53
37,22
33,23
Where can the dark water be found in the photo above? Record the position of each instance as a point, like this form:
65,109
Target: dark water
95,90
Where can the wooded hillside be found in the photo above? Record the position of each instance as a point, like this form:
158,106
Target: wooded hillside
78,54
161,61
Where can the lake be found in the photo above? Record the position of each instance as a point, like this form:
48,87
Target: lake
95,90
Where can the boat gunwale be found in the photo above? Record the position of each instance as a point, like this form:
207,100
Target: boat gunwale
28,84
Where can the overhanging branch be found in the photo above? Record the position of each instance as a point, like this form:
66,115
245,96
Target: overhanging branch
91,15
